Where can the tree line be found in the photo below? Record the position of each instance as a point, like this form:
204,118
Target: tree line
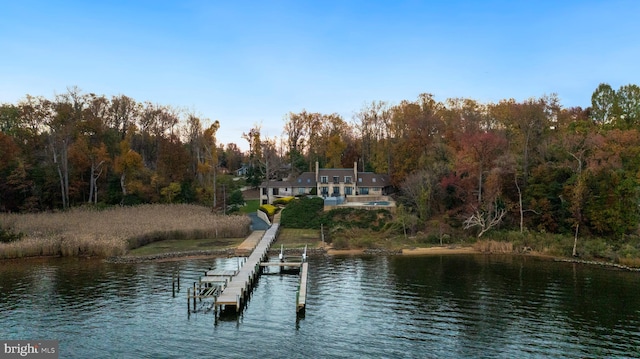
527,165
523,165
85,148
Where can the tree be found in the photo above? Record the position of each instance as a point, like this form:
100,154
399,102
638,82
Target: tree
255,174
415,135
127,163
481,150
122,114
603,104
170,192
485,219
63,125
9,160
211,157
373,129
628,105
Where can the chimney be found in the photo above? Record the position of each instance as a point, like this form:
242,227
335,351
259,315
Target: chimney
355,172
317,171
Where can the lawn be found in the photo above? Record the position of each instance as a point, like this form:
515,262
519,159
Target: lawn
251,206
298,238
186,245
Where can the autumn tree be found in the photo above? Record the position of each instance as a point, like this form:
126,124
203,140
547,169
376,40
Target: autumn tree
123,113
373,128
127,164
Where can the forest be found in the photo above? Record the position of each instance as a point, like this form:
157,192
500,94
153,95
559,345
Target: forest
530,165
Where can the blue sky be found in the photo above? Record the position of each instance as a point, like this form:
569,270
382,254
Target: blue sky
252,62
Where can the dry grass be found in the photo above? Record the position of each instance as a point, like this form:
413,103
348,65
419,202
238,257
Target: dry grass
493,247
630,262
298,238
89,232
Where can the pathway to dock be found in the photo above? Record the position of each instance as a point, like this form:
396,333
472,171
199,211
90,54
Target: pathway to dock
245,248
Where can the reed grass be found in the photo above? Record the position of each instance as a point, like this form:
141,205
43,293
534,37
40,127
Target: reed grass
91,232
493,247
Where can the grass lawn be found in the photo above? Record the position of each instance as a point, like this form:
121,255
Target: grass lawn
251,206
298,238
185,245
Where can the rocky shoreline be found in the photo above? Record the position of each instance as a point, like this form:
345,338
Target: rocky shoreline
231,252
596,263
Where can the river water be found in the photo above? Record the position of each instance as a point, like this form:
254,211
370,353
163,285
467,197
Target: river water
467,306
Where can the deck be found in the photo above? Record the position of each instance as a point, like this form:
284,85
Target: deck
237,289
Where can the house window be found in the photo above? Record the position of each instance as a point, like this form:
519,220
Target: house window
347,179
360,179
324,179
264,191
301,190
364,190
336,191
348,191
264,201
324,191
276,191
336,179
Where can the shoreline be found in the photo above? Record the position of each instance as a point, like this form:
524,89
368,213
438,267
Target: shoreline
328,251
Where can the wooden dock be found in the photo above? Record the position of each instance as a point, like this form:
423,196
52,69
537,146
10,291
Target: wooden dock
301,297
235,293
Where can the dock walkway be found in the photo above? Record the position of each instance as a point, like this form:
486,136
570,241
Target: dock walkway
238,288
301,300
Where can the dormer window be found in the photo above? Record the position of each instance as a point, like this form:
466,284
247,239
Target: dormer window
347,179
324,179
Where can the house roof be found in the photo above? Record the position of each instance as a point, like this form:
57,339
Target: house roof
369,179
340,172
306,179
276,184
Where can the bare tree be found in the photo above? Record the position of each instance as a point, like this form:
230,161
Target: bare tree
485,219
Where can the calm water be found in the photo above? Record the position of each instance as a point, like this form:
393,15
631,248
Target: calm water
357,307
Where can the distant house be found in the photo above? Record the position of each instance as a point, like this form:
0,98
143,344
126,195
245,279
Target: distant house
242,171
328,183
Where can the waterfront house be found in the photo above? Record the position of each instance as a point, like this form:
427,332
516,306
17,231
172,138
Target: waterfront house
334,184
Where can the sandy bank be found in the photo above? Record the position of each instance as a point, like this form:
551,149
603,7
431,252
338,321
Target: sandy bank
440,250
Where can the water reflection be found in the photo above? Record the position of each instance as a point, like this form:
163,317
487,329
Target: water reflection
441,306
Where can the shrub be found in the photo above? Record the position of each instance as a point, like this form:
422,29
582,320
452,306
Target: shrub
283,201
7,235
340,243
269,209
236,198
303,213
349,217
598,248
